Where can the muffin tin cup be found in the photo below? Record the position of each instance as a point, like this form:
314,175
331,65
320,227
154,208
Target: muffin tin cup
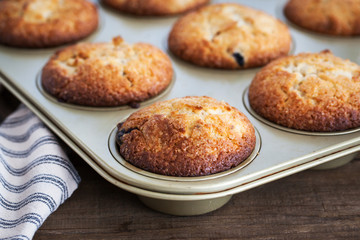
185,208
290,130
329,165
224,175
89,130
336,163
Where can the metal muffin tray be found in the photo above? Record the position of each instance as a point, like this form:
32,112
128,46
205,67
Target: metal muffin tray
90,131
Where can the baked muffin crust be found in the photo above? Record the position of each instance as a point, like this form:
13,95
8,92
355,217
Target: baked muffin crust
155,7
229,36
107,74
45,23
190,136
310,91
334,17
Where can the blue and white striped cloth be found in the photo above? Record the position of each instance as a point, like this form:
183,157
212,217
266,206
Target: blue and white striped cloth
35,175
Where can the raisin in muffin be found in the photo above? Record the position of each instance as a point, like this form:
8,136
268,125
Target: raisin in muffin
45,23
107,74
310,91
229,36
190,136
334,17
155,7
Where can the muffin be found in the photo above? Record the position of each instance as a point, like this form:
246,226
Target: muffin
45,23
190,136
310,91
154,7
229,36
107,74
334,17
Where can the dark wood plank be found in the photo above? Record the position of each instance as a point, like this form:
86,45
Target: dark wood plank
308,205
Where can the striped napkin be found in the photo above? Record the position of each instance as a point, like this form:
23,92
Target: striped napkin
35,175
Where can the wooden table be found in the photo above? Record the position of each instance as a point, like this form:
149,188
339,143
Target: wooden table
308,205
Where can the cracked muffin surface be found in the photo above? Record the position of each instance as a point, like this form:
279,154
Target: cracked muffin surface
229,36
155,7
107,74
334,17
46,23
190,136
309,91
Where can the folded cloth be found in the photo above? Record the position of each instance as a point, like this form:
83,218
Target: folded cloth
35,175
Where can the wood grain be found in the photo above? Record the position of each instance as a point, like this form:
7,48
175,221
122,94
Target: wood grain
308,205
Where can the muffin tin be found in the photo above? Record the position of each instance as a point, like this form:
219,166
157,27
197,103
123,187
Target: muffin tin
90,131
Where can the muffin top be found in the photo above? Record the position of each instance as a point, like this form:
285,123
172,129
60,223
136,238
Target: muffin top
155,7
45,23
229,36
107,74
335,17
310,91
190,136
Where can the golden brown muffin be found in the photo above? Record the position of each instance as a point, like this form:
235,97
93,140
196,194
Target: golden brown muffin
155,7
190,136
229,36
45,23
310,91
335,17
107,74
